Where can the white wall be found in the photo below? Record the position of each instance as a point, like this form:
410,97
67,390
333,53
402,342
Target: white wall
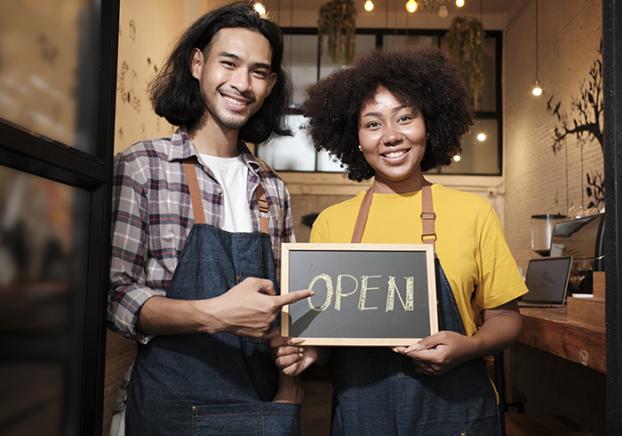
569,37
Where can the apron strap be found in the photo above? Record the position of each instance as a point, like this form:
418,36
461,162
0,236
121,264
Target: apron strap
197,203
428,235
361,219
264,210
195,193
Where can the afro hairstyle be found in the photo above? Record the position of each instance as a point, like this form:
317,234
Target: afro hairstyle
421,78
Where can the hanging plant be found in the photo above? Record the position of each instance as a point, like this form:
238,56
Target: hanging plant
337,22
465,42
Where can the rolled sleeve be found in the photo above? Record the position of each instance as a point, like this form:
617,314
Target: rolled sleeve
128,291
124,307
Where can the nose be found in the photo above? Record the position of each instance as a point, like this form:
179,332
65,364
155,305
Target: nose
241,80
391,137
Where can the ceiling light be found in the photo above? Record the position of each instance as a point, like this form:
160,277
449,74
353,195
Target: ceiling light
457,158
481,136
411,6
537,90
369,6
260,8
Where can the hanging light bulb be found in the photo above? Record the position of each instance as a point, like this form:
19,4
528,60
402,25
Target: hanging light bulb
369,6
443,12
460,3
457,158
411,6
537,90
260,8
481,136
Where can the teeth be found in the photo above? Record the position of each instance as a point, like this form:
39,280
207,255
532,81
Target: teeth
234,101
394,154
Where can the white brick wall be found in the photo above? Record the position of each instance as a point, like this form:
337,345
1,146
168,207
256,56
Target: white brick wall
569,38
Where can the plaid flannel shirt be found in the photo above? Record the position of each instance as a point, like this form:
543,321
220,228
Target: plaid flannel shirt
152,217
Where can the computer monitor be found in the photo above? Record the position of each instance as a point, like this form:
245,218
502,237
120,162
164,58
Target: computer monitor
547,281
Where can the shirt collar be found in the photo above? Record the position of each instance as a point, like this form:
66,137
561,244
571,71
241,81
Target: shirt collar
183,148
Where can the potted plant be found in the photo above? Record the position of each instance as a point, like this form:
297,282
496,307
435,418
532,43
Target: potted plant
337,22
465,42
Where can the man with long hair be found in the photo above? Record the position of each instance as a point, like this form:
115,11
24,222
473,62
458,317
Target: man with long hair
197,227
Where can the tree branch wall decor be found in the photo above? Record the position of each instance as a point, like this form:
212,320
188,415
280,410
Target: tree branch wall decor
583,121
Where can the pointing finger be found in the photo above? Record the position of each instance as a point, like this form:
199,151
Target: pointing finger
292,297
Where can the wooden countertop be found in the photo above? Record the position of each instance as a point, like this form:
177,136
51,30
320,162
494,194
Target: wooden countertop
548,329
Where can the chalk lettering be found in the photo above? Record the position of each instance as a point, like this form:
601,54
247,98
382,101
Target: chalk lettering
392,290
406,300
339,293
329,292
364,288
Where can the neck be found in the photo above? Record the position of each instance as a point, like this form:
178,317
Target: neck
412,184
213,139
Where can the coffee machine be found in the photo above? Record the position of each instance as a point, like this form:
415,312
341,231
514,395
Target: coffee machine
583,239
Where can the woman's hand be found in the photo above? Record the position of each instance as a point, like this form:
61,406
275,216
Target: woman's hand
437,354
445,350
291,357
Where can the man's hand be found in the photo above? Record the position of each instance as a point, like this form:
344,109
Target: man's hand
247,309
437,354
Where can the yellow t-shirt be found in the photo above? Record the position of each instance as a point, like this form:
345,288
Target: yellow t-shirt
470,243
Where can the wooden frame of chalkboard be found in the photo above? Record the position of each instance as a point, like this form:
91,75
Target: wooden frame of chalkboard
405,272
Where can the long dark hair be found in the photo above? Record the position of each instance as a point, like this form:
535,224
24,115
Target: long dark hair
176,96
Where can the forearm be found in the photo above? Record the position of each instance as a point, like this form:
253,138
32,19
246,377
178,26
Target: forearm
500,329
167,316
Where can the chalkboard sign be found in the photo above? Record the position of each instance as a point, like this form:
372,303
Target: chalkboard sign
365,294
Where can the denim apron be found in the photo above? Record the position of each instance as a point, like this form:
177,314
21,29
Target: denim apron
210,384
378,392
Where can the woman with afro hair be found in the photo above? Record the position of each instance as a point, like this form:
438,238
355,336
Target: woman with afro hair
392,116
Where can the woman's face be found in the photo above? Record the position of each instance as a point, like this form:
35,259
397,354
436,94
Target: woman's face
392,137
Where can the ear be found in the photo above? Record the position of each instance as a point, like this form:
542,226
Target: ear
196,65
272,79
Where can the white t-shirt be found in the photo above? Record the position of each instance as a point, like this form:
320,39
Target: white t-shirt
232,173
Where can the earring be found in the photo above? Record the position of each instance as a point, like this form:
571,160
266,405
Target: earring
360,148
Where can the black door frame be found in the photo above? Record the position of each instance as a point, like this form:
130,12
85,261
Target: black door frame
81,351
612,77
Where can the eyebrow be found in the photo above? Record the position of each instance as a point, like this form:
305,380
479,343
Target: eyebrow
227,54
397,109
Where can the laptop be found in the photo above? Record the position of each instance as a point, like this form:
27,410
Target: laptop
547,281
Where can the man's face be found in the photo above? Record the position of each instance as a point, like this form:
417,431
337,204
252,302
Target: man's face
234,76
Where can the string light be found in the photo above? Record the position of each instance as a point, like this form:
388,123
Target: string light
411,6
369,6
459,3
260,8
481,136
457,158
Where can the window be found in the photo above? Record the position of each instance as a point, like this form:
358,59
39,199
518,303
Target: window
56,142
481,155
